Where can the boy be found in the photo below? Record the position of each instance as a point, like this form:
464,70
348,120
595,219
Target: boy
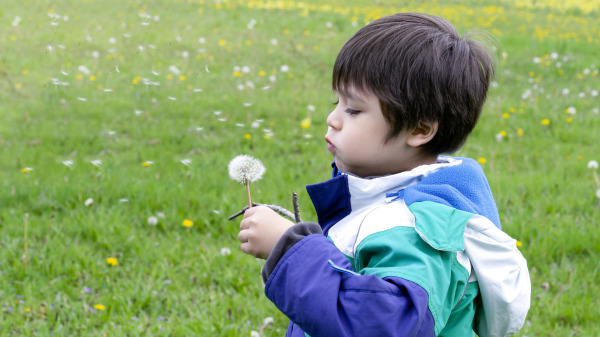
408,242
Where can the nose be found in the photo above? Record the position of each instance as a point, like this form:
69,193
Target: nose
333,120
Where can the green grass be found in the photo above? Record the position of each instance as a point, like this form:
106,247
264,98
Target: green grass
173,281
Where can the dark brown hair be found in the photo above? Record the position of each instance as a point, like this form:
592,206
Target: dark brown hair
421,70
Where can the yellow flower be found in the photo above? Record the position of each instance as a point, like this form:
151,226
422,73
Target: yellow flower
92,78
237,73
188,223
182,78
26,169
305,124
481,160
100,307
147,163
79,76
505,115
26,310
169,77
520,132
503,133
262,73
112,261
545,121
519,243
569,120
247,136
512,110
222,42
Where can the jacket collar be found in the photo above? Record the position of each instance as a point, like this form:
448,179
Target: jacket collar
334,199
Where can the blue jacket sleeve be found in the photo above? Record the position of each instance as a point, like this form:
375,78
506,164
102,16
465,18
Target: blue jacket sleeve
326,300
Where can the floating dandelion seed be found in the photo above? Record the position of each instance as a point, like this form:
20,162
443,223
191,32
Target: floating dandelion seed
245,170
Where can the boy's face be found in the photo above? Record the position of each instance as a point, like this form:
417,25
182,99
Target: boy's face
357,138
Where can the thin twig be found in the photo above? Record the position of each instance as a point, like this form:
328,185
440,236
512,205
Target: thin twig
275,208
297,217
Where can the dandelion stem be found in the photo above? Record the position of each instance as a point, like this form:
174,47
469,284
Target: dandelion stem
248,192
596,178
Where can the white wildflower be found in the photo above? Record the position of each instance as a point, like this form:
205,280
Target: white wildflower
328,24
593,165
245,69
88,202
536,60
499,137
68,163
152,220
594,93
83,69
202,40
225,251
160,215
96,162
571,110
268,320
254,334
112,40
245,169
186,161
554,56
174,70
284,68
565,91
16,21
310,107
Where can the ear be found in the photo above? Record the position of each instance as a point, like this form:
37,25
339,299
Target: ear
422,134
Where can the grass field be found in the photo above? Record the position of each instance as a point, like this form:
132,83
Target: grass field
118,120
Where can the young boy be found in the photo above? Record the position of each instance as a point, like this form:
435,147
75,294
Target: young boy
408,242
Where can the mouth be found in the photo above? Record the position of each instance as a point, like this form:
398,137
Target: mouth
330,146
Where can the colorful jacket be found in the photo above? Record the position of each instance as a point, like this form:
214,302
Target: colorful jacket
418,253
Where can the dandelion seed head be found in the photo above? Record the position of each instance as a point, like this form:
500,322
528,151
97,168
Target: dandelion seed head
152,220
284,68
592,165
88,202
268,320
245,169
225,251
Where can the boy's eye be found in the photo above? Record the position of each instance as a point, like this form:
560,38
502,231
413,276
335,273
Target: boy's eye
352,112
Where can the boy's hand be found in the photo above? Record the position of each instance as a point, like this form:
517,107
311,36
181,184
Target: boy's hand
261,228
